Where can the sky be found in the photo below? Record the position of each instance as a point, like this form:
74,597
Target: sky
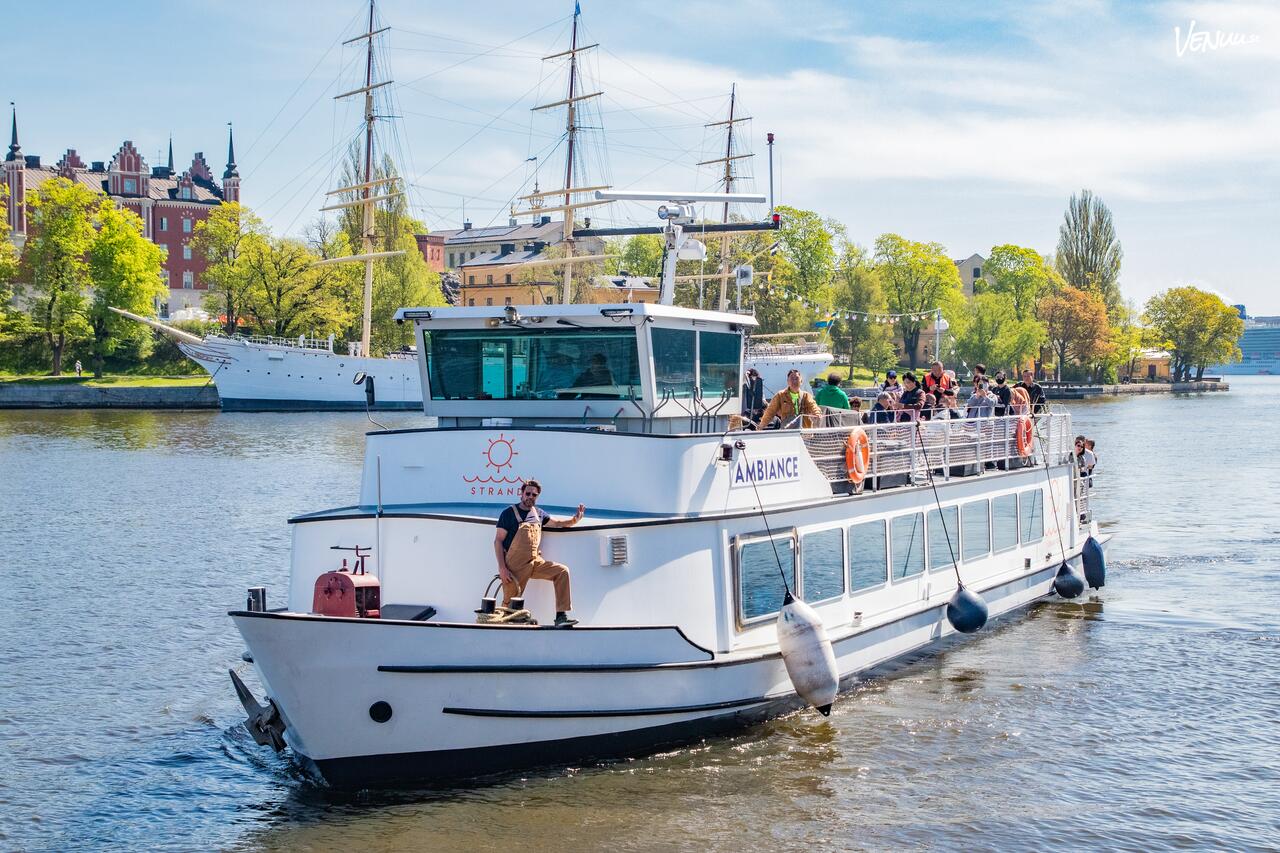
966,124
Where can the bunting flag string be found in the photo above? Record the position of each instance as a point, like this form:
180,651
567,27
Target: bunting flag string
867,316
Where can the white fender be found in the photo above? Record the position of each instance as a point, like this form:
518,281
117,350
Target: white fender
807,653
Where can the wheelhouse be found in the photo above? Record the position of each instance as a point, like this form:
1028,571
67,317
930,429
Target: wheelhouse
631,367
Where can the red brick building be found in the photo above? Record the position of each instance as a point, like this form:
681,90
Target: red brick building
432,248
169,204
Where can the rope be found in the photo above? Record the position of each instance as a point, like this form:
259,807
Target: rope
1057,522
928,470
742,445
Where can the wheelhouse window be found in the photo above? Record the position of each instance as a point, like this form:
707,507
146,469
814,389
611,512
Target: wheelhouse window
1031,505
975,531
944,537
868,555
527,364
822,565
674,354
1004,522
719,363
760,588
908,545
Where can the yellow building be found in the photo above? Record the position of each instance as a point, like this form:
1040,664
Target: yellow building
500,284
1151,366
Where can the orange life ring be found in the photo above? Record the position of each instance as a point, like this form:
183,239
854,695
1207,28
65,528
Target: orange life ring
1025,433
857,455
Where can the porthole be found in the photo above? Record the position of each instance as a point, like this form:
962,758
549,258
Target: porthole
379,711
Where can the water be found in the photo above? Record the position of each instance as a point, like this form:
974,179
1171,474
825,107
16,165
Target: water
1142,718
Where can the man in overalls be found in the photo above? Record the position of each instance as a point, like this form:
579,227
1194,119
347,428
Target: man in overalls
515,544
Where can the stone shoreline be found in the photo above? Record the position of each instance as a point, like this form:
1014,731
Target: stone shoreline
33,395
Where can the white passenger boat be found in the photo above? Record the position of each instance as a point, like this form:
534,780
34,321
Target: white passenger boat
678,567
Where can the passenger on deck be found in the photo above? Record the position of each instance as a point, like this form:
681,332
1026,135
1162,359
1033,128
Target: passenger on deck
1002,392
516,544
891,383
936,380
752,396
981,404
597,373
1085,460
930,405
883,410
950,409
1034,391
831,395
911,401
855,405
790,402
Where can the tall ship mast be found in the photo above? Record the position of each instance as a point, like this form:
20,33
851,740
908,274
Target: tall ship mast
371,190
567,193
726,183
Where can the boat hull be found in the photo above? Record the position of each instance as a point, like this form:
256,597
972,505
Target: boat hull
502,705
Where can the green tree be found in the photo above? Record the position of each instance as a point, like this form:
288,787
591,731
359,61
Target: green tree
61,217
286,295
639,255
1197,329
988,331
1075,322
917,278
125,269
8,257
1089,253
1021,274
219,239
857,296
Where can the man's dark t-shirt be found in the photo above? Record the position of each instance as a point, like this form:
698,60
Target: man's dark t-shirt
1003,396
510,521
1036,393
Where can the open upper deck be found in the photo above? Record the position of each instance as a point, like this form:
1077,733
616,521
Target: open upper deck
467,472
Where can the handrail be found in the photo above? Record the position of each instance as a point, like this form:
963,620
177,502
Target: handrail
948,448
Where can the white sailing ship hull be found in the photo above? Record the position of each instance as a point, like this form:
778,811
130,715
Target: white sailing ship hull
274,377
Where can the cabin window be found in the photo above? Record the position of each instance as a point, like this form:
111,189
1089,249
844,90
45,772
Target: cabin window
719,370
944,537
1004,522
975,536
533,364
822,565
674,354
760,588
908,545
868,555
1032,512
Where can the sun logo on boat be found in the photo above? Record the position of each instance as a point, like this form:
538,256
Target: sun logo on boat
500,453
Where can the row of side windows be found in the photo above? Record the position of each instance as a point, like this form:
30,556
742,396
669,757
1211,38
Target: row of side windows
815,564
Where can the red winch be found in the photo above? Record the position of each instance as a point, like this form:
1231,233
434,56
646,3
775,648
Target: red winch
348,592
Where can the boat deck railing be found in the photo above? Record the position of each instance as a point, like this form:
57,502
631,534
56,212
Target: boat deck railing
300,342
756,350
906,453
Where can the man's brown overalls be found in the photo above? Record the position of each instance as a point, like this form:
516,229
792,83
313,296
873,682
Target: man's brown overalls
526,563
